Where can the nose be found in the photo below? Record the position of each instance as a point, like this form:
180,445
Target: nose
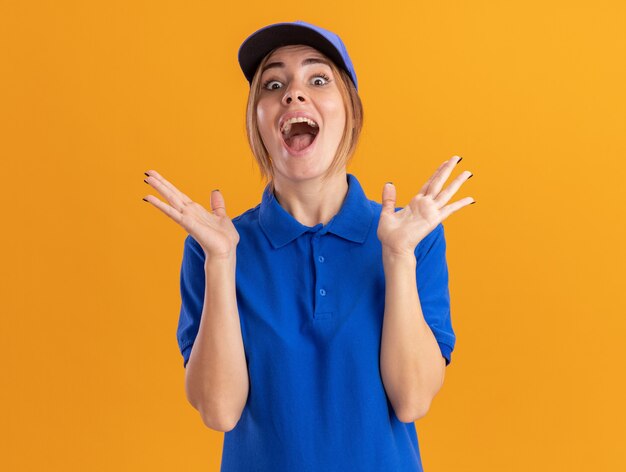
293,92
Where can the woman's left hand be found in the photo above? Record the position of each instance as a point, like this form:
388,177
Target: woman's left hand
401,231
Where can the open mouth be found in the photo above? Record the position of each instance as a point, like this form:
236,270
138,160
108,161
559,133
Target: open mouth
299,134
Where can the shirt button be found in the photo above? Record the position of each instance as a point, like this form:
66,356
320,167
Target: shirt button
320,258
322,292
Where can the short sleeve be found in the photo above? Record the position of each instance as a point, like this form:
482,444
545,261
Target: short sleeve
432,287
192,287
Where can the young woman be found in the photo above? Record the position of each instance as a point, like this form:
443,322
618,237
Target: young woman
314,327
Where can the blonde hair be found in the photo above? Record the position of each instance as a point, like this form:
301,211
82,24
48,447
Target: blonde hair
354,122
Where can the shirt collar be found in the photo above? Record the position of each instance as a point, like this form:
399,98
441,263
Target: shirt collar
352,222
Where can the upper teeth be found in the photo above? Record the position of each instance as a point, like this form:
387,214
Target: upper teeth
298,119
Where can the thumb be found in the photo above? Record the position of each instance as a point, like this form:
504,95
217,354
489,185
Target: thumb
217,203
389,198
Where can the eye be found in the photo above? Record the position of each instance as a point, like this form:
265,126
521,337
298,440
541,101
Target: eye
272,84
321,79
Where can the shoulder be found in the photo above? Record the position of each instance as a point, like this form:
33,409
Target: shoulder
247,218
433,242
248,214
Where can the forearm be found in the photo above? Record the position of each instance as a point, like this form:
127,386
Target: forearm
411,363
216,378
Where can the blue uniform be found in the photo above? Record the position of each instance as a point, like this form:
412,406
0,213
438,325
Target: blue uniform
311,303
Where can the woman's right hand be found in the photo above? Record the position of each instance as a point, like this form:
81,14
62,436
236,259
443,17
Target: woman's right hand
214,231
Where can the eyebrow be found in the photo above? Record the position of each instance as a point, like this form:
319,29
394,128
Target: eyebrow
306,62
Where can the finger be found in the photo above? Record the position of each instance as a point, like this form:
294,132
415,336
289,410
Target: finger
389,198
449,209
153,173
424,188
217,203
174,197
447,193
165,208
442,176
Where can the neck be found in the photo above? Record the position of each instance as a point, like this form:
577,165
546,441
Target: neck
312,201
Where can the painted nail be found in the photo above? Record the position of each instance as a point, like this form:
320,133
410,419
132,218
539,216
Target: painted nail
471,175
147,174
144,200
460,159
473,202
145,181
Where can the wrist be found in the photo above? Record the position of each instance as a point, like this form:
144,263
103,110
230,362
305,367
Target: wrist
395,257
227,259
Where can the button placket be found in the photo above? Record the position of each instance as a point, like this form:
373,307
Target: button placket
321,299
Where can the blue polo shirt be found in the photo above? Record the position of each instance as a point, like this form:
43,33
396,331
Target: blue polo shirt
311,303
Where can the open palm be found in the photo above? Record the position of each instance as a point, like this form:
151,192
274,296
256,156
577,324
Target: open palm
214,231
401,231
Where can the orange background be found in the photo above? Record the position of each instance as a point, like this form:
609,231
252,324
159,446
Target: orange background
532,95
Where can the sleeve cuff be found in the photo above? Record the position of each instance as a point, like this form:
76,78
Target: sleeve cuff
446,352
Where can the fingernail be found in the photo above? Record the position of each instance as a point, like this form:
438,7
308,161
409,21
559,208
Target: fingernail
216,190
147,174
145,181
473,202
471,175
144,200
389,183
460,159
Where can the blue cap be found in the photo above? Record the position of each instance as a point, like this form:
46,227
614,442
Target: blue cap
260,43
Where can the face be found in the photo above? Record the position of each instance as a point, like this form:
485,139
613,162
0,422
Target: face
300,112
